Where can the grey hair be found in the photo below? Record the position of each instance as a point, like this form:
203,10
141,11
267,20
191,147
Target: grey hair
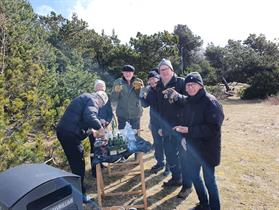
98,81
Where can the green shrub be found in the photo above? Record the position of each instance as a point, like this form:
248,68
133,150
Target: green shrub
263,84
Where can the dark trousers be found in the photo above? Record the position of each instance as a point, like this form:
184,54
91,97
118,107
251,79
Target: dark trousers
171,151
184,163
158,146
207,193
74,152
92,141
135,123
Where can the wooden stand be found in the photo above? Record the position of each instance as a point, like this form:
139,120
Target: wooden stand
101,188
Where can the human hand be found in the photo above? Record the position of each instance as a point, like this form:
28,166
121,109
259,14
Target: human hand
144,92
137,85
171,94
117,88
89,131
104,122
99,133
181,129
160,132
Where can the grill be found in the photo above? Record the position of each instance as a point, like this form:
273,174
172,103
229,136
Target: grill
39,187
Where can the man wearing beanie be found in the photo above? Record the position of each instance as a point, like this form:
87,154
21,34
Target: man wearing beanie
201,128
125,96
149,99
79,118
170,116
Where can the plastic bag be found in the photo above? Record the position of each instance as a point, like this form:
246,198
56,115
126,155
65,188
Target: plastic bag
130,137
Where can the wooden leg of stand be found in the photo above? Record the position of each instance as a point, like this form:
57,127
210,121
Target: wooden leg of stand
102,184
142,179
99,190
109,169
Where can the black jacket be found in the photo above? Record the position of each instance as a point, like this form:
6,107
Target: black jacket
151,101
105,112
170,113
80,115
203,115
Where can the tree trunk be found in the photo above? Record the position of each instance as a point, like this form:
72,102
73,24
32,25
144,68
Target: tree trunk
224,81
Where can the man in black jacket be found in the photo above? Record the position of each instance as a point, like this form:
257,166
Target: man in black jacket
201,128
149,99
171,116
77,122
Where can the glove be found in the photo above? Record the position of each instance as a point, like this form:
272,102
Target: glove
144,92
137,85
170,94
117,88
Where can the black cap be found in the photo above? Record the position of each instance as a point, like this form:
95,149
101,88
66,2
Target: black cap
194,77
153,74
128,68
155,69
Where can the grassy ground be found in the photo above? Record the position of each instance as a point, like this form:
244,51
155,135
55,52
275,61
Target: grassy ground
248,176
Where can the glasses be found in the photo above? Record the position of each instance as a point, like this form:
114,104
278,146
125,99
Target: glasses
191,85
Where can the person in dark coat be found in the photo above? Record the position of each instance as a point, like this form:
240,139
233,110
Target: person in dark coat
201,129
125,97
105,116
105,113
170,116
149,99
79,119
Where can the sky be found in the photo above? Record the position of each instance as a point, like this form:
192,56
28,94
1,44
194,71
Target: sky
214,21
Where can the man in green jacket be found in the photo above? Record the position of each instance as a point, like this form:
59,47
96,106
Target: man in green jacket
125,95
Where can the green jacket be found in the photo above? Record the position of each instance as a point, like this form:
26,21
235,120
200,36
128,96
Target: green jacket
126,98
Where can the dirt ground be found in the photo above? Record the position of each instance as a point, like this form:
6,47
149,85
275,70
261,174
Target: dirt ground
248,177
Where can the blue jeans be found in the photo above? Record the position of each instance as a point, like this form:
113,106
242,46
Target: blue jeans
171,151
184,162
158,145
208,193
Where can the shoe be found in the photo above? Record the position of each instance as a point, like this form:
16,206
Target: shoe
86,198
167,171
202,207
173,183
155,169
184,192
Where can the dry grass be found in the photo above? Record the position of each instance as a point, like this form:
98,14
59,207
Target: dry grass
248,176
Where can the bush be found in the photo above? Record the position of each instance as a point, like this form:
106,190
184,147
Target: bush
263,84
207,72
217,90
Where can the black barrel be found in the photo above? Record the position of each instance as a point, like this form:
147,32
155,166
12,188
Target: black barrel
39,186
